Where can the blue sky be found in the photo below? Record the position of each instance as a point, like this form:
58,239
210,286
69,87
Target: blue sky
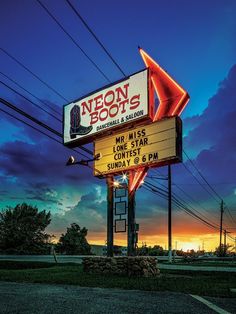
193,41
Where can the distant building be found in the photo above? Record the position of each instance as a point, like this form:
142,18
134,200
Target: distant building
97,249
101,250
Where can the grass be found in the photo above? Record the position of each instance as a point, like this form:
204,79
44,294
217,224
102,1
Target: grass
206,263
201,283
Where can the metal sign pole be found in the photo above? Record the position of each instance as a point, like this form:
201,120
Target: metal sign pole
131,220
110,199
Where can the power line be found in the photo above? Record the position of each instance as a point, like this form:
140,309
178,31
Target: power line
183,203
72,39
20,111
95,36
185,207
31,126
38,130
180,206
200,182
28,116
204,179
186,194
27,91
33,74
230,215
33,103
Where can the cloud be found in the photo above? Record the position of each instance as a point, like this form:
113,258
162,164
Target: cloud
34,168
211,127
212,142
89,212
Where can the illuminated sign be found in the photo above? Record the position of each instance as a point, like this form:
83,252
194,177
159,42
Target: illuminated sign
156,144
106,109
172,101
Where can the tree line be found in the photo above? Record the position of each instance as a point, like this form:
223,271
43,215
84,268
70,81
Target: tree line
22,231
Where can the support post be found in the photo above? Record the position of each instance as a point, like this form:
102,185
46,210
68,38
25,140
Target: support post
221,225
131,220
169,216
225,233
110,200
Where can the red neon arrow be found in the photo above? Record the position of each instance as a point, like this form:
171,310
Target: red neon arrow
172,101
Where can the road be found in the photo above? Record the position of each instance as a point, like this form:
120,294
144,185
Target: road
78,259
27,298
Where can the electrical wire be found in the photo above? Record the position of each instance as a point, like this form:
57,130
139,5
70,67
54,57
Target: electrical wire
187,195
38,130
201,175
182,208
20,111
27,91
229,216
72,39
183,203
33,74
186,209
33,103
30,117
200,183
95,36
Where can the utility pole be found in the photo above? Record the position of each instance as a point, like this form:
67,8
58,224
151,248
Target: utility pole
225,232
131,219
110,201
221,224
169,216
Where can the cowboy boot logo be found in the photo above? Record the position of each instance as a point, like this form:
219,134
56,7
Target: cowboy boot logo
75,127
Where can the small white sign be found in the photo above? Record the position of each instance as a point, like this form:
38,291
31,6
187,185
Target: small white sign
109,108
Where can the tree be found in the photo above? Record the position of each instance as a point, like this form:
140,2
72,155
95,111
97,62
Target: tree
157,250
22,230
74,241
223,250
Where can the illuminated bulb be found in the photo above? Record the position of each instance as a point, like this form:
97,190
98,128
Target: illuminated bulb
124,176
116,183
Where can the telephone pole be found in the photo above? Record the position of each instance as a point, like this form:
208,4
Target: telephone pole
225,232
225,244
221,224
169,215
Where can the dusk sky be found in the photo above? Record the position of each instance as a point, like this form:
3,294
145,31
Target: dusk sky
194,41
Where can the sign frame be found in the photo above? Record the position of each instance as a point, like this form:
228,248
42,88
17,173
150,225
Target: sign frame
102,133
125,229
116,208
122,188
151,164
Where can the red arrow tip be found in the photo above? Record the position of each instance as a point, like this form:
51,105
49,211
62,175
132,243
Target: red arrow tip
173,98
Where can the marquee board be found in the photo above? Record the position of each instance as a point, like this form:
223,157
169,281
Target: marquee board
155,144
110,108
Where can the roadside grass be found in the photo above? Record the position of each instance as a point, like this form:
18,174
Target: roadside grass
24,265
200,283
205,263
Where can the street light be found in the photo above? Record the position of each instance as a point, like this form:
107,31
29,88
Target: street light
71,161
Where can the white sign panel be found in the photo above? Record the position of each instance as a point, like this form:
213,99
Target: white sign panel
110,108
